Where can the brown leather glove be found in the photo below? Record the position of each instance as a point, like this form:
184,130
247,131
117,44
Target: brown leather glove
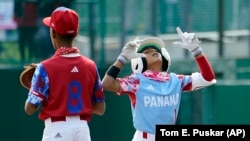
27,74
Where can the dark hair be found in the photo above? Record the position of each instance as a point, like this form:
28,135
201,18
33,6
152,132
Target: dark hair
66,38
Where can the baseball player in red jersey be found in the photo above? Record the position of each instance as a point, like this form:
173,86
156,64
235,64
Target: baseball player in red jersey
154,92
67,86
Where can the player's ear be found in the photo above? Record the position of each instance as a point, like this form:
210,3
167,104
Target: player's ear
53,34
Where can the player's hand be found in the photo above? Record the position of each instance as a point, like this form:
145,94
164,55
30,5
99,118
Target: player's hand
129,51
189,41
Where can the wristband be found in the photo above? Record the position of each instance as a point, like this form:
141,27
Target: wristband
113,71
196,51
122,59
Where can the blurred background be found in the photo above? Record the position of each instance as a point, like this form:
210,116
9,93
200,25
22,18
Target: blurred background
223,26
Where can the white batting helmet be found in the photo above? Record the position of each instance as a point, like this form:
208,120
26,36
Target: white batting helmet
140,65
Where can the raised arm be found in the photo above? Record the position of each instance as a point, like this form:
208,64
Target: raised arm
206,75
109,81
205,68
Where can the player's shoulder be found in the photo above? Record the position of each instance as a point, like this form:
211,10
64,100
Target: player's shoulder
177,76
87,60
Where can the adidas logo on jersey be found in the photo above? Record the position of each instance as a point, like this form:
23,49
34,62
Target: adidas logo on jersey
58,135
150,87
74,69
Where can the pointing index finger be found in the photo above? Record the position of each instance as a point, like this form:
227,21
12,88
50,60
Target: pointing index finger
180,33
137,40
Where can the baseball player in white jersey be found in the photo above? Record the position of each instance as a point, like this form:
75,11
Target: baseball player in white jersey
154,92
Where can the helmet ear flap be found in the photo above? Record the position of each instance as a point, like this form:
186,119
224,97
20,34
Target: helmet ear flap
165,64
166,59
139,64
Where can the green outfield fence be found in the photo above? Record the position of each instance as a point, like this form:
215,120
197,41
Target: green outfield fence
227,102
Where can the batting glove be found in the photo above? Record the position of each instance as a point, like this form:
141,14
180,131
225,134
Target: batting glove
189,41
129,51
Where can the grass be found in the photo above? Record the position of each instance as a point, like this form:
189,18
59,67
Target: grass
9,53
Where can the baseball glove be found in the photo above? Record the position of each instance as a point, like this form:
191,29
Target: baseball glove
27,74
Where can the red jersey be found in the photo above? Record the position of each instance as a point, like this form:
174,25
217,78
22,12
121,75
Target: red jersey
74,83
